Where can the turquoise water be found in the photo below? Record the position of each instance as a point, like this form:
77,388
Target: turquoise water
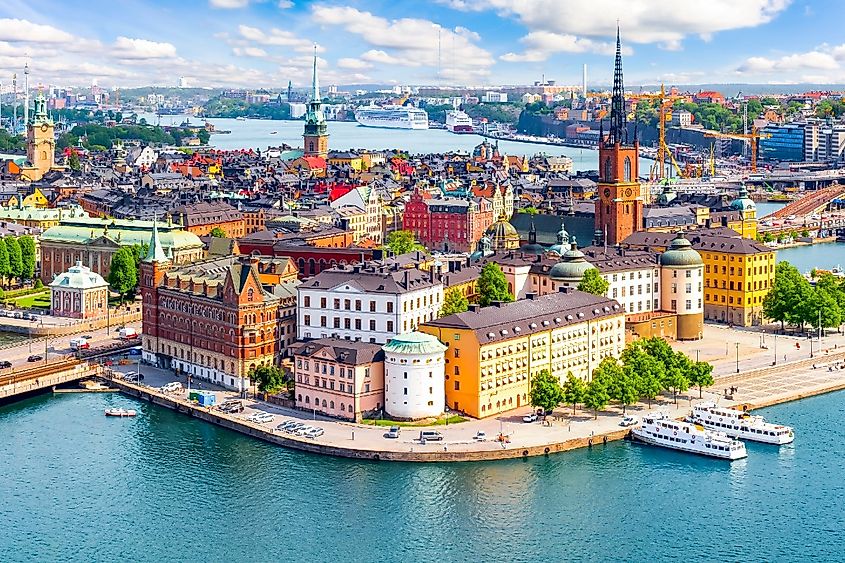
77,486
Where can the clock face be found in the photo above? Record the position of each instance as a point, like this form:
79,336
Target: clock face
607,192
44,127
628,192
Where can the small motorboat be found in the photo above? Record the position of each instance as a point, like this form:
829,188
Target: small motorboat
274,132
120,412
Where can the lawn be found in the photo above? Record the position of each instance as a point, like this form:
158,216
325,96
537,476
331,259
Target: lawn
34,300
453,419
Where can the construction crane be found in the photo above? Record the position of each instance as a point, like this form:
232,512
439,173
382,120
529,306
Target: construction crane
664,102
751,138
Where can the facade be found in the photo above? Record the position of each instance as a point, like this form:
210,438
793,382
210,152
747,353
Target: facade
414,374
824,141
494,352
369,301
316,136
784,143
339,378
619,207
40,217
79,293
366,207
201,218
448,224
213,319
94,241
40,143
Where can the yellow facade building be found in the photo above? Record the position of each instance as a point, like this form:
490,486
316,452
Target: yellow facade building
40,144
493,353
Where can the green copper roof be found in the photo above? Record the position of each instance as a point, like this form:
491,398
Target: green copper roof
681,253
414,343
124,232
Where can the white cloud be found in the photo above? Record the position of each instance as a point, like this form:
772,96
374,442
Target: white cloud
25,31
285,4
539,45
276,37
128,48
353,64
382,57
228,4
256,52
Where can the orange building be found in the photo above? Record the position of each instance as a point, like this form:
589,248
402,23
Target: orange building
201,218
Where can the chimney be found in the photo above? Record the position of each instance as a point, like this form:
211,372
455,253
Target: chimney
498,304
407,279
531,295
474,307
564,289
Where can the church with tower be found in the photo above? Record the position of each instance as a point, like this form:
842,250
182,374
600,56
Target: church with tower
619,205
316,136
40,143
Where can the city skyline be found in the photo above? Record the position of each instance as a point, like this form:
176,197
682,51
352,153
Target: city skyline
266,43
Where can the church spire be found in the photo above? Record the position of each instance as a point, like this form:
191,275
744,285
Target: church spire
618,129
315,83
155,253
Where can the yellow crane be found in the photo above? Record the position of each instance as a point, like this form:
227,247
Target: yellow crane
752,138
664,103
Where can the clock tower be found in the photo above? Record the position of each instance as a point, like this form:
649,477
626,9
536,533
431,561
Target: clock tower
40,143
619,205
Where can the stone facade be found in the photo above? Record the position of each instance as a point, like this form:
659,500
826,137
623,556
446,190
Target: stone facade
79,293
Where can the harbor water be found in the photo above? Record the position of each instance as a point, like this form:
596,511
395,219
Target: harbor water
78,486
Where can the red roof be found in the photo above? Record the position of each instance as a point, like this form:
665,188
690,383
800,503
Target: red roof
315,162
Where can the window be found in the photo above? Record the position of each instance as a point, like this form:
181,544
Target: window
390,308
457,352
357,304
307,301
322,302
627,169
372,324
323,321
405,391
607,170
689,304
389,325
357,324
457,370
307,319
372,306
337,303
457,386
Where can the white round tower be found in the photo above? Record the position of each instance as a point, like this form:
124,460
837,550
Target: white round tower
414,376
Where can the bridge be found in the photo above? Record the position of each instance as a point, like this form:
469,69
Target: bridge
811,203
23,381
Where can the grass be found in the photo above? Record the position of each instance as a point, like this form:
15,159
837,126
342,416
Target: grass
454,419
35,300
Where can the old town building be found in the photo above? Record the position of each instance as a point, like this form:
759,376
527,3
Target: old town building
448,224
493,353
213,319
201,218
79,293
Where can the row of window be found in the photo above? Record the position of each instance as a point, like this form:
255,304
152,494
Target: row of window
325,404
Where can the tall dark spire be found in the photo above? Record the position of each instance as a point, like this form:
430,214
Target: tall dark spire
618,129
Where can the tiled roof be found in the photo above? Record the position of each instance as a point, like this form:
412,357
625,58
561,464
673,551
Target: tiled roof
373,279
347,352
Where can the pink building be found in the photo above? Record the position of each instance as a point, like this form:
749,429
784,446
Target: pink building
79,293
339,378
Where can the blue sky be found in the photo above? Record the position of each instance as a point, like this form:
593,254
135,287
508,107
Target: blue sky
268,42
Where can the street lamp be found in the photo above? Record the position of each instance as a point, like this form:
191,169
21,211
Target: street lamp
737,357
776,349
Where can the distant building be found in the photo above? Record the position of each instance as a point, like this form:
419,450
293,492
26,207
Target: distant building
783,143
494,98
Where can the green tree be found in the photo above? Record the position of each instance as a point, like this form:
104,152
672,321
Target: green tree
269,379
204,136
592,282
73,161
701,375
15,258
492,285
782,301
574,390
821,306
454,301
123,274
402,242
596,397
530,210
5,267
217,232
675,375
620,383
27,244
39,284
546,392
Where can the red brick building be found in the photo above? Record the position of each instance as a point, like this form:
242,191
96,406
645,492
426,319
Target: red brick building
448,224
201,218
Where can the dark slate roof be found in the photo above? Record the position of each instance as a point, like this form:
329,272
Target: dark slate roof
347,352
528,316
703,240
619,259
373,279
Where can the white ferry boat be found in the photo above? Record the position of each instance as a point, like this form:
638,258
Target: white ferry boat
458,122
658,429
392,117
740,424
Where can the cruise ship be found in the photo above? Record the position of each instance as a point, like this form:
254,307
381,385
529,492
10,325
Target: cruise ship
658,429
740,424
392,117
458,122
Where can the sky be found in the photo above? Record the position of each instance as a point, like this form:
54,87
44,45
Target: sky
265,43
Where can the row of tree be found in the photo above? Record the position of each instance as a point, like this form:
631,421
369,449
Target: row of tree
17,258
795,301
123,272
646,368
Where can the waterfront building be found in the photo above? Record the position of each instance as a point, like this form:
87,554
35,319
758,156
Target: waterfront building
94,241
494,352
619,207
339,378
79,293
367,301
213,319
316,136
449,223
414,376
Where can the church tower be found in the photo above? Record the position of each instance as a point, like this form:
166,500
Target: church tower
153,267
619,206
40,142
316,136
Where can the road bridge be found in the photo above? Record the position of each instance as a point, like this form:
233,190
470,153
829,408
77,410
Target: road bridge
24,381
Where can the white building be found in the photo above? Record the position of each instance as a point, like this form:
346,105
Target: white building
369,302
79,293
367,199
494,98
414,376
297,110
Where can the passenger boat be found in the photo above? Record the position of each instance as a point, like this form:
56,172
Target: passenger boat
658,429
459,122
740,424
392,117
120,412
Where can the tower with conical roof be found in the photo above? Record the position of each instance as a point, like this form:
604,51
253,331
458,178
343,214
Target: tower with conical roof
316,136
40,142
619,205
153,267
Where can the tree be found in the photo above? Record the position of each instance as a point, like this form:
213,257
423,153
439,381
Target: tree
73,161
701,375
402,242
596,396
123,274
27,244
650,372
620,383
592,282
574,390
454,301
139,252
782,302
5,268
546,392
217,232
39,284
204,136
268,378
15,258
492,285
675,377
821,309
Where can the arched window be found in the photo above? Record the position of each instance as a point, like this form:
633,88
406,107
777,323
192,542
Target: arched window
343,407
627,168
307,400
331,404
324,402
607,170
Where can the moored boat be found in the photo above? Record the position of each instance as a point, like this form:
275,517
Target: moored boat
120,412
740,424
658,429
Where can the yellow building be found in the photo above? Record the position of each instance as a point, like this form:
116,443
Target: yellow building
354,161
494,353
40,144
42,218
36,199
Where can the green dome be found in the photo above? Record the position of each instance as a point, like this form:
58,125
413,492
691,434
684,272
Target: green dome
535,249
743,202
681,254
503,235
414,343
571,267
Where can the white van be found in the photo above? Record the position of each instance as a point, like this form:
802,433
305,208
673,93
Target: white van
128,333
80,343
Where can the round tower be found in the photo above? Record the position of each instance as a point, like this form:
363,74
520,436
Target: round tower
682,287
414,376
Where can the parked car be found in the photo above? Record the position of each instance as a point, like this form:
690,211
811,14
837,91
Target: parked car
17,315
5,364
315,433
481,436
303,430
171,387
530,417
430,436
284,424
133,376
4,313
629,421
294,427
35,358
231,406
264,417
393,432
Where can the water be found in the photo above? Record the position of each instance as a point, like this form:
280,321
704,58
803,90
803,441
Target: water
165,487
